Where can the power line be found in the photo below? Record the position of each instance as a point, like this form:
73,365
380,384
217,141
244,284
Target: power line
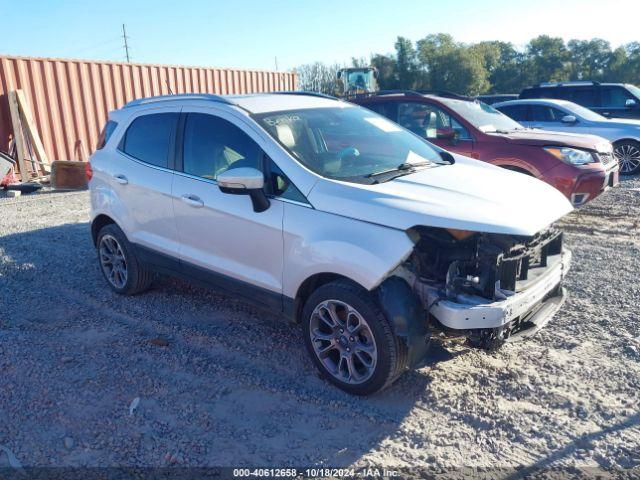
126,44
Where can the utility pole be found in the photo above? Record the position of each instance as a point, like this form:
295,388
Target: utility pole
126,45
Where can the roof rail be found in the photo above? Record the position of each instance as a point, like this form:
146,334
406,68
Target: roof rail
568,84
407,93
305,92
446,94
181,96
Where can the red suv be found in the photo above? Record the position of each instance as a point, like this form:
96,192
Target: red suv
580,166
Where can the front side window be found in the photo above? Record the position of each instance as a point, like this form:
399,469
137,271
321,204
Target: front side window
615,97
545,113
429,121
148,138
280,186
347,143
213,145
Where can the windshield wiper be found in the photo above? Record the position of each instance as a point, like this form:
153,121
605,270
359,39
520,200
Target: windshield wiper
405,168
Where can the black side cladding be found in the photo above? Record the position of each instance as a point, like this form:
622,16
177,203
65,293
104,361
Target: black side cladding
403,309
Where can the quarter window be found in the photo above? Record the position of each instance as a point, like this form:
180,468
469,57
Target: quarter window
148,138
213,145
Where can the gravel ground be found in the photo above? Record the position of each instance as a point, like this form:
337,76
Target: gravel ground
228,384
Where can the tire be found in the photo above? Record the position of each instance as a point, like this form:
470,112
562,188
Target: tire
115,253
627,153
373,341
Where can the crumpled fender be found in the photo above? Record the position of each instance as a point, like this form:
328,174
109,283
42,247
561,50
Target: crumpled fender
408,318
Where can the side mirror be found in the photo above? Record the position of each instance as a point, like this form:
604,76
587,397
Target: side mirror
630,103
447,133
245,181
569,119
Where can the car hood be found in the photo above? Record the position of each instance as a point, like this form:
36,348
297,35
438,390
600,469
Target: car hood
468,195
546,137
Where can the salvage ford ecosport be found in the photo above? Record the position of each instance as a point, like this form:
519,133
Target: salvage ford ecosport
368,235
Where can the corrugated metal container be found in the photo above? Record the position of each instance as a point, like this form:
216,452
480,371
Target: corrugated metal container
70,99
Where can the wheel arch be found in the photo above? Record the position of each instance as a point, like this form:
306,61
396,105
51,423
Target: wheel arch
311,284
98,223
625,140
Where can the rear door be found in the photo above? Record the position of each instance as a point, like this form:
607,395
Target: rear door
222,238
141,178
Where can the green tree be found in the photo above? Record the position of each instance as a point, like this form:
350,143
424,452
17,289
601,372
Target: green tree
406,64
589,59
387,71
547,60
453,66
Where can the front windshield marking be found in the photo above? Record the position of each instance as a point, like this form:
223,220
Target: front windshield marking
482,116
349,144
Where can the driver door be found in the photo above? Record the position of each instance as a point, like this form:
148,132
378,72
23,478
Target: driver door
435,125
223,240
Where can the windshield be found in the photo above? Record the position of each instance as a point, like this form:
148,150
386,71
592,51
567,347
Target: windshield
348,143
482,116
635,90
585,113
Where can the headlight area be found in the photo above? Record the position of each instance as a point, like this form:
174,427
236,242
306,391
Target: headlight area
490,288
572,156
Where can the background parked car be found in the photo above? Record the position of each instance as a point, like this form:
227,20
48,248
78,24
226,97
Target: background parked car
580,166
565,116
617,100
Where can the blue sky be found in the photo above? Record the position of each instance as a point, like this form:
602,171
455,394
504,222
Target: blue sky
251,33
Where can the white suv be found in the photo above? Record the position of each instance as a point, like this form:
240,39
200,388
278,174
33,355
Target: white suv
368,235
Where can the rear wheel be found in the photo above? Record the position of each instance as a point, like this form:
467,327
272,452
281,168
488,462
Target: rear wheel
350,340
628,155
119,264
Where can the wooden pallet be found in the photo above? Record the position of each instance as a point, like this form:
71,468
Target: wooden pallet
31,156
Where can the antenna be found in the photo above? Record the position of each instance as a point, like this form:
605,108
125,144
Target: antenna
166,81
276,61
126,45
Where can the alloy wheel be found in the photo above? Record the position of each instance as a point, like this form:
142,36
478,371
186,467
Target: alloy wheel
113,261
628,157
343,341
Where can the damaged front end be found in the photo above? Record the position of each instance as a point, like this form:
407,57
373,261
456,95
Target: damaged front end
491,288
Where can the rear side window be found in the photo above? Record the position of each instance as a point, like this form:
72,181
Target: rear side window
105,134
148,138
517,112
584,96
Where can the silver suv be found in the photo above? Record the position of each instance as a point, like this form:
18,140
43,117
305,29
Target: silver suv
369,236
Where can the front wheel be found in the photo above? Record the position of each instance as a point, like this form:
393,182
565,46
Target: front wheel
350,340
628,155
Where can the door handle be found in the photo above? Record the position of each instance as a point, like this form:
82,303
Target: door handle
192,200
121,179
